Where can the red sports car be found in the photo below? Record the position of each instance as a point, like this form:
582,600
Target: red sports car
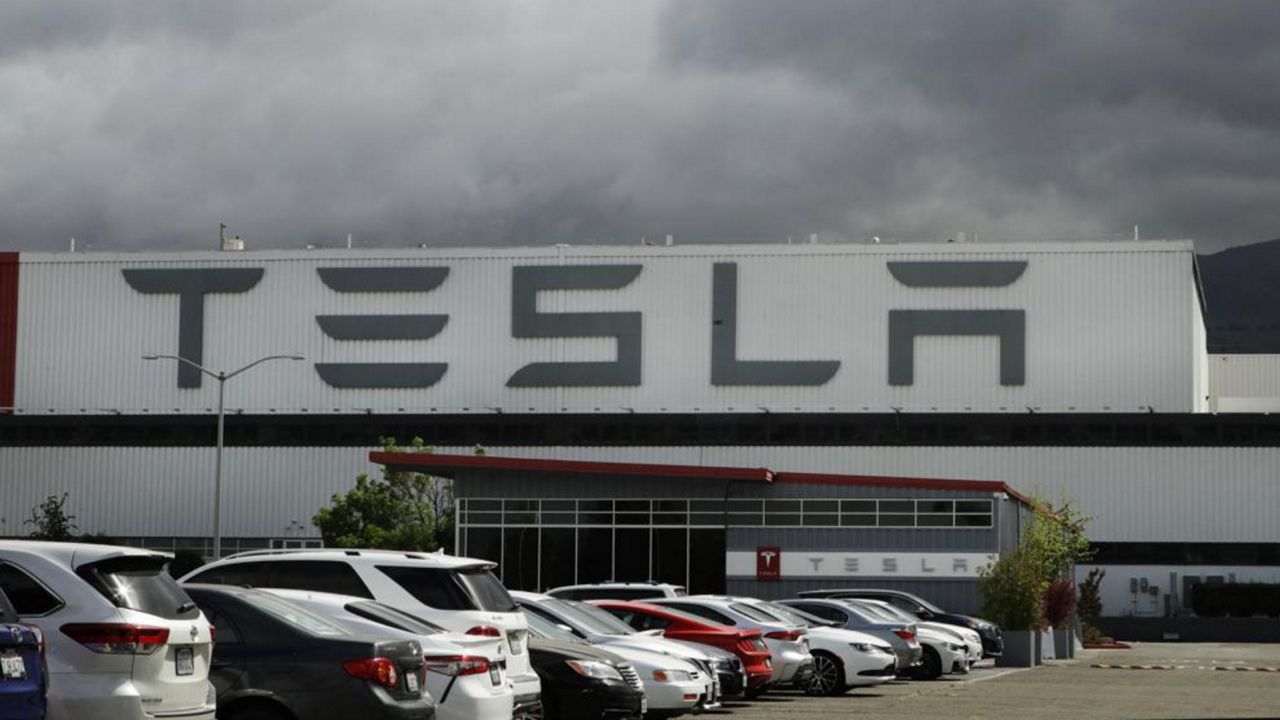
680,625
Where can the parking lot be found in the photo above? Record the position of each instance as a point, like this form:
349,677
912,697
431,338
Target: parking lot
1187,685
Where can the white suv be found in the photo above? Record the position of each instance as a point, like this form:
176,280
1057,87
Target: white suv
457,593
123,641
618,591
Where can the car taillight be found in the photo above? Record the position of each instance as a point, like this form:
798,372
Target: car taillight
485,631
117,638
213,634
753,643
378,670
785,634
905,635
457,665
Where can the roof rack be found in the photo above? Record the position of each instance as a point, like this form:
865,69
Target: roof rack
285,551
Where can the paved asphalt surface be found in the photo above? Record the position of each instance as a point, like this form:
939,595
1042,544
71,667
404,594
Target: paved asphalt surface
1180,681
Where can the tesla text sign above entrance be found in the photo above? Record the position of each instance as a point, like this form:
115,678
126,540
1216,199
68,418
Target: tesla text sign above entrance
793,563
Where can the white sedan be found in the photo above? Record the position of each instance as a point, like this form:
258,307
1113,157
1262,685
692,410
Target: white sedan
842,659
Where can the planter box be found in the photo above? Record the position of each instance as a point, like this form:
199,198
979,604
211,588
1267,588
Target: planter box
1064,642
1044,643
1020,649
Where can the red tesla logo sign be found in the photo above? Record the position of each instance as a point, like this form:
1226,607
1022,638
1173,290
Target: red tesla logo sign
768,564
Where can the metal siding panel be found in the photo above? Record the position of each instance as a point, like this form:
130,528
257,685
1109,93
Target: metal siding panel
82,330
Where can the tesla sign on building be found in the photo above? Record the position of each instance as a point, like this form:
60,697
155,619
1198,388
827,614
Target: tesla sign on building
616,330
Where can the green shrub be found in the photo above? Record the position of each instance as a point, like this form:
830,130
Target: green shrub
1011,591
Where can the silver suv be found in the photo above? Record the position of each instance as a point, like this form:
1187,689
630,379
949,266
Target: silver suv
618,591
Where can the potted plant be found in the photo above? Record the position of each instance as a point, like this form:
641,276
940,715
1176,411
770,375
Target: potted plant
1059,610
1011,589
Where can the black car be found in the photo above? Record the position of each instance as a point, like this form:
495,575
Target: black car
580,681
273,660
992,639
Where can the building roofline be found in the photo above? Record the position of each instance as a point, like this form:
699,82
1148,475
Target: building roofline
444,464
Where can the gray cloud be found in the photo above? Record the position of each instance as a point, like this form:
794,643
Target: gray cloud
144,124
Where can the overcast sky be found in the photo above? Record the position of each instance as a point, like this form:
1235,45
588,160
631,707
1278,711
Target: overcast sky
134,125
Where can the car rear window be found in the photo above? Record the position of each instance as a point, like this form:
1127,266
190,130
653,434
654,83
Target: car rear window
473,588
295,615
755,613
7,613
140,582
703,612
28,596
392,617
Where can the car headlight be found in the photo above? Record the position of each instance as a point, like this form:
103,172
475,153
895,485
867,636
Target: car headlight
954,647
860,647
672,675
594,669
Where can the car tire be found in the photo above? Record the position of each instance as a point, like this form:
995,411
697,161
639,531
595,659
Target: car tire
931,668
752,693
828,675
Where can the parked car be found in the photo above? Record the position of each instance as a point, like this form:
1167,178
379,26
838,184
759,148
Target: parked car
971,641
275,660
943,652
122,640
842,659
747,645
618,591
901,636
457,593
918,607
463,675
22,669
676,678
582,681
792,662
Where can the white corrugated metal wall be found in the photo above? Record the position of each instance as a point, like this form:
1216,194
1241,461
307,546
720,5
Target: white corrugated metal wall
1244,383
1135,494
1108,329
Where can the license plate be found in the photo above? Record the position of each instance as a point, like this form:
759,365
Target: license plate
12,667
184,659
495,676
411,680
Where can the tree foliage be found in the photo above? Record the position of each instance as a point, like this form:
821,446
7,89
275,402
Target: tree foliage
397,511
51,521
1015,589
1011,590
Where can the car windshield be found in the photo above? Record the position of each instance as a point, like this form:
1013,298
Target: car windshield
756,613
925,604
792,615
878,612
588,617
294,615
688,617
544,628
863,614
895,612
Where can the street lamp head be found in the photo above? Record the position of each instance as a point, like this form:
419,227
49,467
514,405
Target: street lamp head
150,357
295,357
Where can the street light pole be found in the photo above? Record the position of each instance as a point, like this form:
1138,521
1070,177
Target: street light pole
222,377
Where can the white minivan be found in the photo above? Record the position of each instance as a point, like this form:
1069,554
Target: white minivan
460,594
122,640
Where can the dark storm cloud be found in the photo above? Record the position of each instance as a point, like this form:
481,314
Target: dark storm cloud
144,124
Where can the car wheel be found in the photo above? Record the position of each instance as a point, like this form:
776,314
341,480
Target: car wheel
828,675
931,669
